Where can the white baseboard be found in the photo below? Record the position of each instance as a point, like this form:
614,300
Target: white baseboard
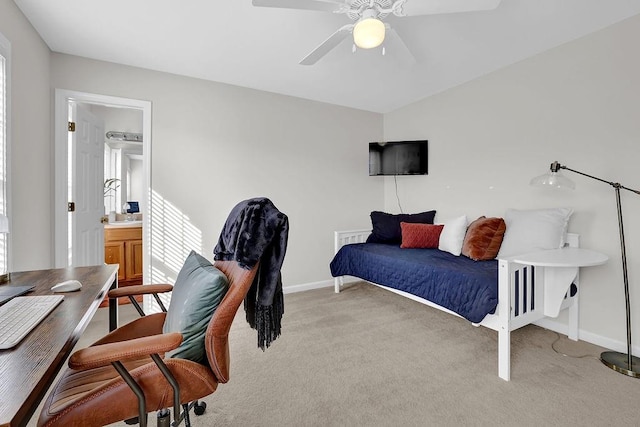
307,286
317,285
587,336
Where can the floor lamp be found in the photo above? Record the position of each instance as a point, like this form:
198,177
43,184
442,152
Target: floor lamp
624,363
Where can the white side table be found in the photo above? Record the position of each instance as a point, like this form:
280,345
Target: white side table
561,269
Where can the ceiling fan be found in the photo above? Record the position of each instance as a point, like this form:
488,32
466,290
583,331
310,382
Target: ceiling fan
368,29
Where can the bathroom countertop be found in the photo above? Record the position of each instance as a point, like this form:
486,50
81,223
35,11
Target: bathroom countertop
123,224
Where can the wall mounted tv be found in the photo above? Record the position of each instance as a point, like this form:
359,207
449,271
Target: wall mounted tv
398,158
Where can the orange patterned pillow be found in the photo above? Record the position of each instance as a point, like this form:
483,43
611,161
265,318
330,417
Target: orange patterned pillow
483,238
420,235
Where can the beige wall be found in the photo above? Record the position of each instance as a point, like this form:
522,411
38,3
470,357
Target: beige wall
215,144
578,104
31,236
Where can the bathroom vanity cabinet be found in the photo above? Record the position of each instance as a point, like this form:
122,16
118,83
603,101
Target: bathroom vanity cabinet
123,246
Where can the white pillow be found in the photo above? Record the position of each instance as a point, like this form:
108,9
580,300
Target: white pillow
533,230
452,235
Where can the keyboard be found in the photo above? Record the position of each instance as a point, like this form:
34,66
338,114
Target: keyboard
21,315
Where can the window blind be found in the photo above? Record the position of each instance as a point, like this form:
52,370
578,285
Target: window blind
3,154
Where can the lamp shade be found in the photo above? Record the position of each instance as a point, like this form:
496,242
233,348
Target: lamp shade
553,179
368,33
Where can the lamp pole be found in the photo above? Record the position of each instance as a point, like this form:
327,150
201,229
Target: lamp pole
624,363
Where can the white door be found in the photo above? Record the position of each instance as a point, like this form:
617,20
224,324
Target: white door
86,239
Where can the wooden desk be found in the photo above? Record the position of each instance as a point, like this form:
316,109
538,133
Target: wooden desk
28,370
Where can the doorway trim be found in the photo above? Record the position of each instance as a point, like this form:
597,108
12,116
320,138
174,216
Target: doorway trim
62,98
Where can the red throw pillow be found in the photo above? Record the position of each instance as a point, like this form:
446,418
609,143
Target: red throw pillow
483,239
420,235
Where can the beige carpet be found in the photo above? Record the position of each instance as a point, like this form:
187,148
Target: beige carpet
370,357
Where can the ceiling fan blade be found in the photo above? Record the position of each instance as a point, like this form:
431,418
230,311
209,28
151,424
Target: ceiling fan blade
432,7
325,6
324,48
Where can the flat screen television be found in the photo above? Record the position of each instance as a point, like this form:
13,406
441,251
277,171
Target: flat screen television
398,158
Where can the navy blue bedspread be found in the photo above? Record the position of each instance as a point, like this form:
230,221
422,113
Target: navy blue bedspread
467,287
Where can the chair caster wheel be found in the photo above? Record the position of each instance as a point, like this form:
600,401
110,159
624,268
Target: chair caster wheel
199,408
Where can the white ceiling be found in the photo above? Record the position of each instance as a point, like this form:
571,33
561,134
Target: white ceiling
233,42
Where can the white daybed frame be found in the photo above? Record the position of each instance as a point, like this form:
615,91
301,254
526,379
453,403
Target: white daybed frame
510,313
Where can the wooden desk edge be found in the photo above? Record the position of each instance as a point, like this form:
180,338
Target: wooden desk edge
41,388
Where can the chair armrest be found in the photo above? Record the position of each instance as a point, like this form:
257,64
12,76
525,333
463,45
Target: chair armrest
105,354
139,290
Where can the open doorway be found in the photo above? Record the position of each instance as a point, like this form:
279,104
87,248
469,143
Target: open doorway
123,162
126,164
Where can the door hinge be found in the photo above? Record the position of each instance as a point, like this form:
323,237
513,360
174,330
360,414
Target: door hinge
71,126
71,207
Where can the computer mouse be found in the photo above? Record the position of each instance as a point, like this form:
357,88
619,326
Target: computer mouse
67,286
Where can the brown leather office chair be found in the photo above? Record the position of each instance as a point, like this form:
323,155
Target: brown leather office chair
124,376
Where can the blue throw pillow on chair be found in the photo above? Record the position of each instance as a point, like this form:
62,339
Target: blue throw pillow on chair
198,290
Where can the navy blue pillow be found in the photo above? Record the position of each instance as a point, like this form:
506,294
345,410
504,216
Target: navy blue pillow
386,227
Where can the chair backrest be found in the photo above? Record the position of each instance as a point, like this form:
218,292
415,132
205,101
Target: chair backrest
217,336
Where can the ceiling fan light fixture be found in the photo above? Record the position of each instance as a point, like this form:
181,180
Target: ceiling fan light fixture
368,33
